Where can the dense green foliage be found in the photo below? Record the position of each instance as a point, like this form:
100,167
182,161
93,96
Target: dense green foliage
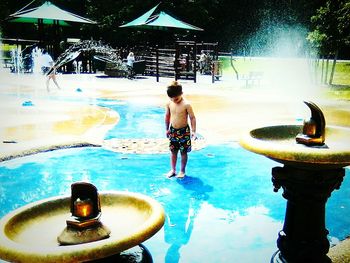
246,26
331,26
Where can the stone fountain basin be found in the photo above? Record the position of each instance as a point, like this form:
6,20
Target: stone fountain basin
29,234
278,143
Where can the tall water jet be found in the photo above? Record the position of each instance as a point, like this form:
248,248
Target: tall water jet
289,71
36,57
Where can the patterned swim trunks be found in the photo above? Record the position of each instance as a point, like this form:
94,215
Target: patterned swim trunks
180,139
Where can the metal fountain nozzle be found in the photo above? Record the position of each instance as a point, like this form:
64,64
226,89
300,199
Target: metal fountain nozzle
84,225
314,128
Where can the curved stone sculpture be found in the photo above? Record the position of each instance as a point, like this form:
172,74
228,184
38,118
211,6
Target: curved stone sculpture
314,128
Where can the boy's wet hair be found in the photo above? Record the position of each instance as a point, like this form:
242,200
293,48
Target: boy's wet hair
174,89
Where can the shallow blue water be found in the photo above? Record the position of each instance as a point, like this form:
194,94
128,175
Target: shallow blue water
224,209
136,121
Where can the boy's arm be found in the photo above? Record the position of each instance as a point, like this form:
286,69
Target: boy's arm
167,119
192,120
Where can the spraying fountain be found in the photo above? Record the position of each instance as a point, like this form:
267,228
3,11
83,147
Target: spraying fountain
31,62
313,158
101,52
86,226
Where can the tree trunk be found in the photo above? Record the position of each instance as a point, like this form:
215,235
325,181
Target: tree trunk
322,70
233,66
316,71
326,73
333,67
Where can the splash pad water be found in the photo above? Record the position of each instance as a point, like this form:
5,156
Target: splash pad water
226,195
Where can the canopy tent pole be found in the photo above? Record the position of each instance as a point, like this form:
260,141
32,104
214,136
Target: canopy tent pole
40,31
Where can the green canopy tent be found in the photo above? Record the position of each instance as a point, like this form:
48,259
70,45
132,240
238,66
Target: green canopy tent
140,21
47,14
160,21
165,22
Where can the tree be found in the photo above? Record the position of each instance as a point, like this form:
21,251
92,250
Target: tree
234,24
331,30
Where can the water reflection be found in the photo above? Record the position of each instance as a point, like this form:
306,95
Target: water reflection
223,235
179,224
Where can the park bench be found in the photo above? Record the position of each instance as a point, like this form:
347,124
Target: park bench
253,78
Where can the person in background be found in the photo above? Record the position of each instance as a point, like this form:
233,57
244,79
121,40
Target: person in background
48,69
129,63
130,59
178,111
202,62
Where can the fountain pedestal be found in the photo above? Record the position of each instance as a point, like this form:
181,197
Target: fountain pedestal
304,234
308,177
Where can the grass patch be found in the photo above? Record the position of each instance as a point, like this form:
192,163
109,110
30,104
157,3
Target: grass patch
340,88
341,73
334,92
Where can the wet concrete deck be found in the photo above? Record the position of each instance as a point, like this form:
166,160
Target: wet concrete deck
70,117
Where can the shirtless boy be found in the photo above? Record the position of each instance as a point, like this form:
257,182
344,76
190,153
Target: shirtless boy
178,111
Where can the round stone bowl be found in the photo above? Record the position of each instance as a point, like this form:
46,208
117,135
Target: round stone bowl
278,143
29,234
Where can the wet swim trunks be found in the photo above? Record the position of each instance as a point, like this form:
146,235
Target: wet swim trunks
180,139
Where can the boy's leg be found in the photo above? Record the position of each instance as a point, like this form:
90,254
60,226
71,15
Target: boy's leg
173,160
55,81
47,83
184,158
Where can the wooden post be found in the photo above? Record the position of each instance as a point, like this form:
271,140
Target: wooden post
157,63
41,32
212,72
56,39
195,62
176,62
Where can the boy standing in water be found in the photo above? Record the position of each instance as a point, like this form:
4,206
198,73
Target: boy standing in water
178,110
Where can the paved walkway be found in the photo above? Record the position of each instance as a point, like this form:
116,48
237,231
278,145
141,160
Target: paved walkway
224,109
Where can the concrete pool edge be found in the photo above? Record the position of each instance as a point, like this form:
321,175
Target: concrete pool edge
45,148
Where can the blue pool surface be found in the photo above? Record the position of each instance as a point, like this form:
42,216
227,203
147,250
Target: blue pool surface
136,122
224,211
